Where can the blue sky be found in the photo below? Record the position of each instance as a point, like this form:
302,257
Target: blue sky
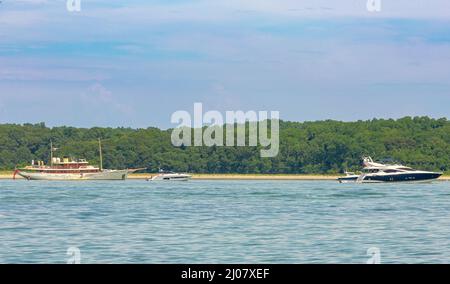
133,63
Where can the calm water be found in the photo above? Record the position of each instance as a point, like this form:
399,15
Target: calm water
223,222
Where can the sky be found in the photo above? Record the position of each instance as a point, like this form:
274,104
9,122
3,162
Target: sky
133,63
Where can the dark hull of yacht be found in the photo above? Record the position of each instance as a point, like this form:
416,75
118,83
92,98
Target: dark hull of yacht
402,177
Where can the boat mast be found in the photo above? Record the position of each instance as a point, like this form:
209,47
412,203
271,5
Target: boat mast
51,153
100,152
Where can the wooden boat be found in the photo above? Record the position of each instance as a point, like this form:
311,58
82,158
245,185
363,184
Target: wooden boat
70,169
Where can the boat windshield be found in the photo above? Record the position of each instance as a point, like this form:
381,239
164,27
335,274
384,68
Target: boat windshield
371,171
391,171
406,169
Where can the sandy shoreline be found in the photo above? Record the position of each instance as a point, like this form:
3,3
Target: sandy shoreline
235,177
223,177
248,177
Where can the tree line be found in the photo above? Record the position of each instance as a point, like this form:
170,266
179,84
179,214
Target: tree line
319,147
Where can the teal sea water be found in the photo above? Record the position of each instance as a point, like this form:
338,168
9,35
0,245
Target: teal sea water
224,222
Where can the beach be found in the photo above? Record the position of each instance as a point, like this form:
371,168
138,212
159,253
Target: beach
221,176
247,177
140,176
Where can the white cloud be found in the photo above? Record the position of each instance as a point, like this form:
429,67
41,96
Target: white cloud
2,110
99,96
26,12
220,10
346,8
9,19
36,73
241,65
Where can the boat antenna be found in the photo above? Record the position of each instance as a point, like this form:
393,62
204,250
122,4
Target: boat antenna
100,152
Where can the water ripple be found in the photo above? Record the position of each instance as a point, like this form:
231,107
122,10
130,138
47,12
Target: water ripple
223,222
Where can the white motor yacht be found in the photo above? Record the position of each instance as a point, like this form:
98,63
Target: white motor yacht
377,172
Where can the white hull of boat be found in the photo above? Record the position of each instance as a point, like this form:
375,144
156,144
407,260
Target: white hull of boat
171,177
103,175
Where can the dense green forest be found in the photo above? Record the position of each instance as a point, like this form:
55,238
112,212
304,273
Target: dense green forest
308,147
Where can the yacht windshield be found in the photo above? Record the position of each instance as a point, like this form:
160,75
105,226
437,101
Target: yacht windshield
371,170
391,171
406,169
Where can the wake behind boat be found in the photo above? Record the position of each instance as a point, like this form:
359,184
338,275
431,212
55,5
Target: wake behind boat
70,169
377,172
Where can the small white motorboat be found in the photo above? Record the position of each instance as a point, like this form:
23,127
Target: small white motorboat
349,177
169,176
